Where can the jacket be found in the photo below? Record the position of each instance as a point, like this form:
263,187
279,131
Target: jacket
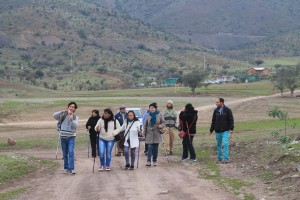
110,133
119,117
152,133
92,121
68,126
133,133
191,118
222,120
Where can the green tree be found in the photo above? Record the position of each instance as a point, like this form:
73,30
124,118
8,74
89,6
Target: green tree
81,33
258,62
278,79
194,78
39,74
292,78
102,70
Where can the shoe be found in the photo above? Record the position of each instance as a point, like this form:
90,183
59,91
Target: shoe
193,160
154,164
72,172
118,154
131,167
225,161
127,166
184,159
148,164
101,168
107,168
65,171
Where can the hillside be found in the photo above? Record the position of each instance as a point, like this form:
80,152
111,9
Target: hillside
73,45
215,23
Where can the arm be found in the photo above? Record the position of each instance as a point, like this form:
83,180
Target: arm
74,122
120,129
57,115
145,127
87,123
212,126
98,125
162,121
114,133
230,120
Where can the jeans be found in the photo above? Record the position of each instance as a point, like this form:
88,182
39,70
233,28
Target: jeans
152,151
187,144
105,149
132,155
68,145
222,139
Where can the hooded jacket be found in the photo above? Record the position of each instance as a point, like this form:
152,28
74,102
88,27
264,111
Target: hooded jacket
92,123
191,117
222,120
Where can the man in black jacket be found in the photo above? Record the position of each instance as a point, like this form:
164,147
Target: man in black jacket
222,123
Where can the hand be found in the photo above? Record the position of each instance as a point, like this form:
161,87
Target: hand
159,126
65,111
210,132
98,128
89,127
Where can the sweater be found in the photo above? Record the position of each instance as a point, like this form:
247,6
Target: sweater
68,126
170,119
109,134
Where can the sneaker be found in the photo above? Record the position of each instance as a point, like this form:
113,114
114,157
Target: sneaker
101,168
127,166
184,159
65,171
107,168
72,172
154,164
193,160
225,161
131,167
219,161
148,164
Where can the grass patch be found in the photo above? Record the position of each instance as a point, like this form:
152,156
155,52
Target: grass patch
266,176
248,196
17,165
12,193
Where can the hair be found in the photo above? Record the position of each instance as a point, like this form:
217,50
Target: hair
153,105
134,116
72,103
109,111
189,107
96,111
221,100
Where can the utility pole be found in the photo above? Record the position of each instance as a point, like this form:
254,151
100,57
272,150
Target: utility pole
204,62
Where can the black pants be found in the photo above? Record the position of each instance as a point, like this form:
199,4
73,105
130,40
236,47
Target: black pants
188,147
146,148
94,143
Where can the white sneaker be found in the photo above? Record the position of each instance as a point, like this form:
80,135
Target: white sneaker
72,172
65,171
101,168
107,168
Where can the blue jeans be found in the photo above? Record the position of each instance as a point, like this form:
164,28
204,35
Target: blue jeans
68,145
105,148
222,139
152,151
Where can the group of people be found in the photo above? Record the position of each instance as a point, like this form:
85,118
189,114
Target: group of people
157,126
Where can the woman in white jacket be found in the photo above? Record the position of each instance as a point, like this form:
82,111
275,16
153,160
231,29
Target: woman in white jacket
132,128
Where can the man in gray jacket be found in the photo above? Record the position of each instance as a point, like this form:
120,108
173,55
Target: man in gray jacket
67,122
170,117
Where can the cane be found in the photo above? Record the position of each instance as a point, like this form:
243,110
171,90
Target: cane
89,142
94,164
165,148
57,145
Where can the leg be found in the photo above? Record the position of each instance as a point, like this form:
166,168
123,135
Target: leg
146,149
71,153
150,149
185,147
93,139
132,152
64,146
101,151
226,144
167,139
110,146
219,145
191,148
155,152
126,151
172,137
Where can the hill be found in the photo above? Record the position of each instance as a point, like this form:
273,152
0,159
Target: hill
74,45
215,23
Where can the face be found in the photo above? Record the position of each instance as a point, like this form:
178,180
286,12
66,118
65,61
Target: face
152,109
72,108
106,115
130,116
94,114
123,110
169,105
218,103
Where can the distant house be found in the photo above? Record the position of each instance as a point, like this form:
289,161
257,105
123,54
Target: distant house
260,71
224,79
170,81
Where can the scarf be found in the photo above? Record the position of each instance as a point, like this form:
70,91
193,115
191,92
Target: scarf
170,112
153,117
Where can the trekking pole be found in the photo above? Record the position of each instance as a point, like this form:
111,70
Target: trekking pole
57,145
94,164
89,142
165,148
138,160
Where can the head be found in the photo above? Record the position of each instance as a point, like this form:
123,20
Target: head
189,107
95,113
219,102
170,104
131,116
72,106
153,107
122,109
108,115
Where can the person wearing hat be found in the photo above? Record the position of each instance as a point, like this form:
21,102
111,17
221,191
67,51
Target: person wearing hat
121,116
170,117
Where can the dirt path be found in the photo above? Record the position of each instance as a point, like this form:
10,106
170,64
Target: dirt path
167,181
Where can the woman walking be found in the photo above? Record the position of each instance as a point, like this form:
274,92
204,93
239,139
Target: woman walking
153,125
131,128
106,125
188,120
90,126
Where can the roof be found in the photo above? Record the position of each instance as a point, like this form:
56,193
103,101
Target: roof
259,68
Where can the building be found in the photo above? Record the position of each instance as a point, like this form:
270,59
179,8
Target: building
170,81
260,71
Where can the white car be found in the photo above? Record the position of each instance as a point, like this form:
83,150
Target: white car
138,113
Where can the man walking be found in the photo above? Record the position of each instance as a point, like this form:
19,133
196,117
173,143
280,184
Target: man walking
121,116
222,123
68,125
170,117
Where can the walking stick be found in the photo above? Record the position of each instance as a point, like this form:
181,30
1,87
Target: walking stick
165,148
94,164
89,142
137,164
57,145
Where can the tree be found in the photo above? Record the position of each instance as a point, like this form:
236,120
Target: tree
226,66
279,79
39,74
102,70
258,62
82,34
194,78
292,80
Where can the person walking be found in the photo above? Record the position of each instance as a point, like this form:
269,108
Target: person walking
121,116
222,123
188,120
106,126
170,117
131,128
90,126
68,126
154,123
